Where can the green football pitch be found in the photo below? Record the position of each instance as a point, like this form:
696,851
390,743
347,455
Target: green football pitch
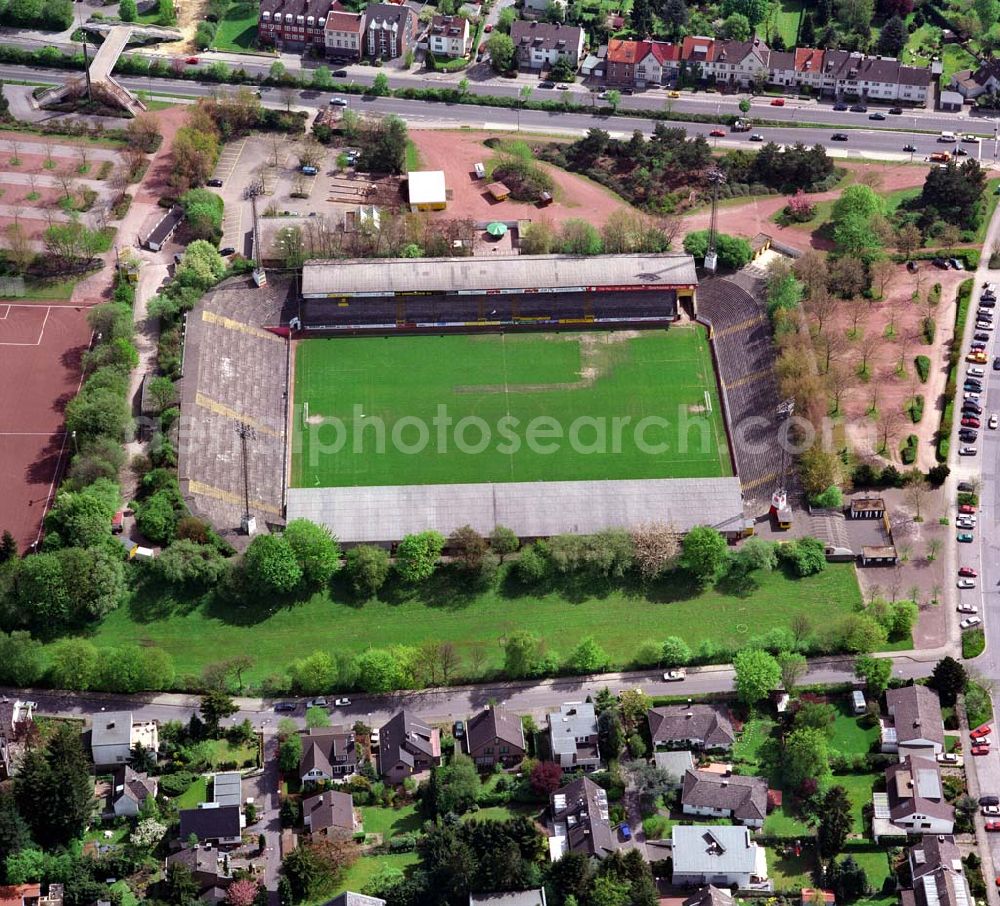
506,407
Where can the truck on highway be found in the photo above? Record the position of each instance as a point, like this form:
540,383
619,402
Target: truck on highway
741,125
947,137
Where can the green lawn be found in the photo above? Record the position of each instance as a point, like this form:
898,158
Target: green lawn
849,736
874,861
574,386
953,58
390,821
788,871
238,29
757,747
223,752
859,788
412,155
196,634
786,20
918,43
361,872
193,795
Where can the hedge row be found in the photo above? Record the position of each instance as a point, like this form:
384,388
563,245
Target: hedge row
947,415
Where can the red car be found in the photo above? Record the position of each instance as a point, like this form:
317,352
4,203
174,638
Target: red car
969,573
192,61
717,133
488,29
778,102
980,732
993,825
970,422
980,750
967,508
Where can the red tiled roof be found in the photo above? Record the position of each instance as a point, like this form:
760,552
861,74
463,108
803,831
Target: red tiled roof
808,59
691,42
15,894
665,52
625,51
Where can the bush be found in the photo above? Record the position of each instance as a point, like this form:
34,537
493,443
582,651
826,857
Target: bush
525,179
908,451
973,645
928,330
915,408
923,365
175,784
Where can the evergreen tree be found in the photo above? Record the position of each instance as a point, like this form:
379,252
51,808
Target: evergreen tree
949,680
642,17
8,546
835,821
892,38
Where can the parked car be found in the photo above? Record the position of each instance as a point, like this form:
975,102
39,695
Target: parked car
674,676
966,583
993,826
778,102
214,183
876,116
967,571
896,111
991,810
338,102
374,738
970,422
987,303
956,263
546,84
339,73
970,406
992,423
839,137
562,86
981,336
284,706
984,325
941,263
192,61
967,451
981,731
967,486
970,139
968,436
989,800
458,729
910,148
968,623
947,758
967,608
226,251
626,831
318,702
972,396
840,107
965,537
859,108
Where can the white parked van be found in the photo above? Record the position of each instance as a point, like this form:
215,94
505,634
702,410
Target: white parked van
858,703
947,137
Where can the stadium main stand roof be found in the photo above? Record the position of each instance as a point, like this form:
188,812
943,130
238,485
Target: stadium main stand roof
514,273
533,509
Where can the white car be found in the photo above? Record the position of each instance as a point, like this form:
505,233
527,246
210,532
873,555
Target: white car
319,702
971,397
338,102
674,676
969,622
967,451
992,423
968,608
342,703
984,325
975,371
375,738
992,810
965,523
966,583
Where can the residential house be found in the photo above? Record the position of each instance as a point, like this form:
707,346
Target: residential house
212,870
349,898
985,79
710,895
696,52
690,726
741,63
227,788
343,33
742,798
914,725
937,874
781,68
914,801
389,30
573,736
534,897
407,746
580,821
621,59
812,896
495,736
16,719
211,823
720,855
129,790
20,894
331,814
876,78
540,44
449,36
115,734
659,64
294,25
328,753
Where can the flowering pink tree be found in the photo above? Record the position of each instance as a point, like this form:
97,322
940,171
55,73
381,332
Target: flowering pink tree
800,208
242,892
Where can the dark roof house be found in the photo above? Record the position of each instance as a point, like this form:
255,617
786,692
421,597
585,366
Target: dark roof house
580,820
327,753
938,877
701,726
330,813
495,736
915,723
219,824
743,798
916,798
407,746
709,896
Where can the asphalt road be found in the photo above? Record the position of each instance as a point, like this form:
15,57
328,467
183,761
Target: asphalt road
866,142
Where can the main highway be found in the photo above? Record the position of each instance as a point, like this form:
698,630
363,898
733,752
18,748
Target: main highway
865,138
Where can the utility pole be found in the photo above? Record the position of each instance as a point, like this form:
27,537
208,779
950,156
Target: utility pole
716,177
86,60
246,432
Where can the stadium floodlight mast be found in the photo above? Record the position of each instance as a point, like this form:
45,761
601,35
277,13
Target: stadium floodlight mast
246,433
716,178
779,499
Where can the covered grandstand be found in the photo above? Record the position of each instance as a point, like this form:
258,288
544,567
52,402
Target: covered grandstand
535,291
